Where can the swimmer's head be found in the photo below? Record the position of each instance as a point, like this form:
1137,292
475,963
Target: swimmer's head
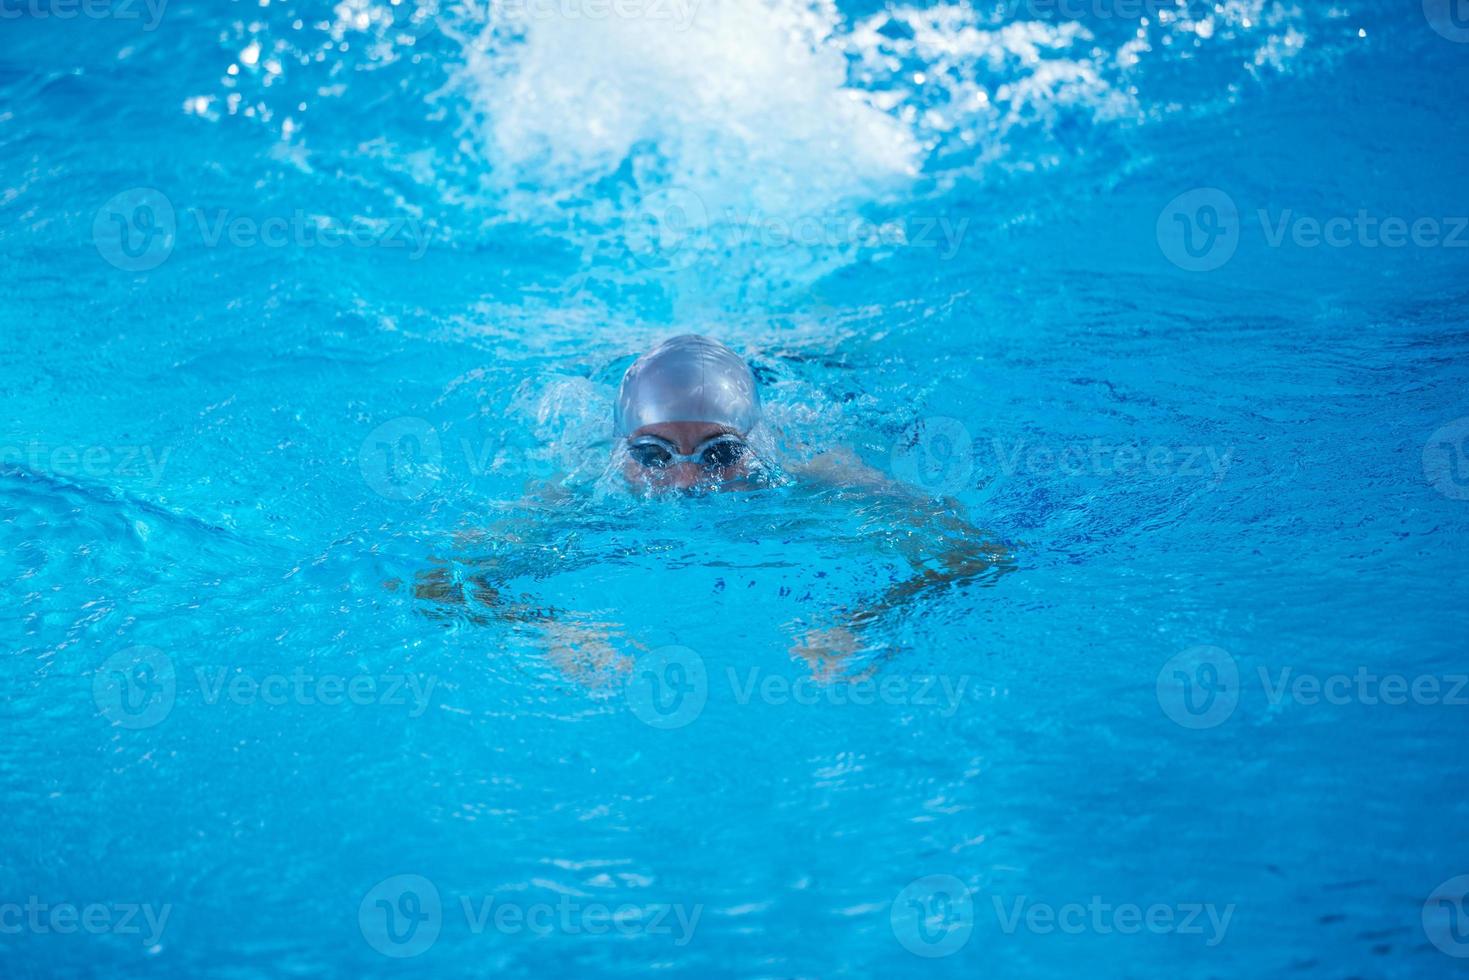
684,411
688,379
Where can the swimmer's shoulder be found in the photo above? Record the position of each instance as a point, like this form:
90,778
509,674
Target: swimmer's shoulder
841,467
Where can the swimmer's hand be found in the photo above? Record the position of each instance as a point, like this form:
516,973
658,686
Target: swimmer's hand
587,650
951,553
828,651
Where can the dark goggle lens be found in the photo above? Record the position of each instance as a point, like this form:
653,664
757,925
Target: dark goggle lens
651,455
722,454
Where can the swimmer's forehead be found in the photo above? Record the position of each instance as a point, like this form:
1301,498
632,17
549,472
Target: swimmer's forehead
690,432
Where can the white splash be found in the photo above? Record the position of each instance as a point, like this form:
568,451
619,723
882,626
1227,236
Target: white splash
741,102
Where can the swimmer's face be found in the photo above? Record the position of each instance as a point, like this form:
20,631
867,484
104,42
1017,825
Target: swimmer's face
686,437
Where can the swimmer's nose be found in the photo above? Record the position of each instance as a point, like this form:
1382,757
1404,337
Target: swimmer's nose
685,475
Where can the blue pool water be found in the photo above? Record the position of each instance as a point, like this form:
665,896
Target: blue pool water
333,647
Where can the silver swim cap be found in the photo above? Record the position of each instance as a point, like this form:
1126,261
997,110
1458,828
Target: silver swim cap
688,379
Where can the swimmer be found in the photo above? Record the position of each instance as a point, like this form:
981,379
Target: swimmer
684,416
684,413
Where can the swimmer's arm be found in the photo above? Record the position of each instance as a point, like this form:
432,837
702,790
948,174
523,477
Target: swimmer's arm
840,468
956,564
830,649
591,650
477,597
944,549
963,544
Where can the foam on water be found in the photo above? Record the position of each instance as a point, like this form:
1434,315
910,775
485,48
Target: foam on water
730,87
740,127
782,138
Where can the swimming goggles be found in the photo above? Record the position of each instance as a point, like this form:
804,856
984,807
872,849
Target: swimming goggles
712,454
